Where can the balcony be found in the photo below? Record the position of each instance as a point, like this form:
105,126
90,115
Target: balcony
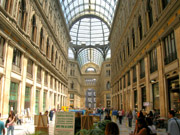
16,68
170,58
29,75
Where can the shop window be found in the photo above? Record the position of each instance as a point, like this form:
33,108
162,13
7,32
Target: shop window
37,102
170,48
142,69
153,60
174,94
27,97
135,100
2,42
143,95
155,90
13,96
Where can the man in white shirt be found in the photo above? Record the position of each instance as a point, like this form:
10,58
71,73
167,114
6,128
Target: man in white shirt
173,124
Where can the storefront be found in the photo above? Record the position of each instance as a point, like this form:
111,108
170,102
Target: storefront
13,98
155,94
174,94
27,97
37,102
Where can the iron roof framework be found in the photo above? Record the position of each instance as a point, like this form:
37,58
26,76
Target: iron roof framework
89,22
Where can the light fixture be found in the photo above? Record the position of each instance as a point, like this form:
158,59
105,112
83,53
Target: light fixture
153,81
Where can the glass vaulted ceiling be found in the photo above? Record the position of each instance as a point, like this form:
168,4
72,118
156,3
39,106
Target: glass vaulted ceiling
89,22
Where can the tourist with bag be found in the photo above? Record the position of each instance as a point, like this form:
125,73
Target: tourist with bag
10,124
173,124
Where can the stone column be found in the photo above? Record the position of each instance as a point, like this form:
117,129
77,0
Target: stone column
147,77
131,91
23,84
162,88
41,92
7,78
139,98
48,93
33,90
177,35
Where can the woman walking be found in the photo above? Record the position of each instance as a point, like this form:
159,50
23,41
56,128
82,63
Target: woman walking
130,117
10,124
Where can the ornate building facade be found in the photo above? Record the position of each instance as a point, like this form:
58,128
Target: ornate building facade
89,86
33,56
146,54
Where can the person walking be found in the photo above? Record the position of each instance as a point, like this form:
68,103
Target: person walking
10,124
107,117
130,117
120,113
173,124
51,115
2,127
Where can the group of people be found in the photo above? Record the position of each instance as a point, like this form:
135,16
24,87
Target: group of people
145,124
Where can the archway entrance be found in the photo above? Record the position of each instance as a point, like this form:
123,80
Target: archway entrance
90,98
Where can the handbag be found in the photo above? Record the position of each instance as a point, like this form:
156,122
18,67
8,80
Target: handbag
7,121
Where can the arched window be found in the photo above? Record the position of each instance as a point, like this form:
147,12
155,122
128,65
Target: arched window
128,49
22,14
52,54
56,58
150,15
47,48
34,29
140,28
108,85
165,3
9,6
133,38
41,42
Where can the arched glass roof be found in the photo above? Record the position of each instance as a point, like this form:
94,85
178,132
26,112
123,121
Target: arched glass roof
74,9
90,55
89,23
89,31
